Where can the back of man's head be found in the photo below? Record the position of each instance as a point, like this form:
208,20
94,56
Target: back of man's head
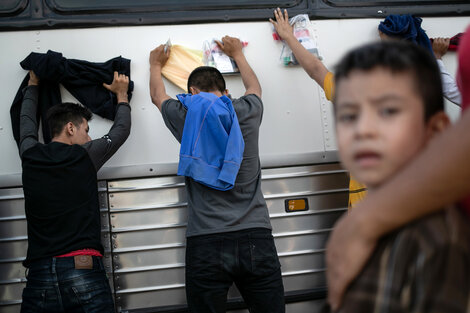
399,57
207,79
59,115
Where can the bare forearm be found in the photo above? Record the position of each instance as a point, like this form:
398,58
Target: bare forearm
309,62
439,176
157,87
249,78
122,97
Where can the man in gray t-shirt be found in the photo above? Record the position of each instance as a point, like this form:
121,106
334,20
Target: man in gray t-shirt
229,236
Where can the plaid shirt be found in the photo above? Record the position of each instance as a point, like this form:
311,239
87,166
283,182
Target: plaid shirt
424,267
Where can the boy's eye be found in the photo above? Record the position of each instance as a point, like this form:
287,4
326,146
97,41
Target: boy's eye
346,117
388,111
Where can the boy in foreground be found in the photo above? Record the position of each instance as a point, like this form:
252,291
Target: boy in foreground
385,115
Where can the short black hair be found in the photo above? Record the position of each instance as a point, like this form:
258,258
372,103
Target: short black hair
60,114
399,57
206,78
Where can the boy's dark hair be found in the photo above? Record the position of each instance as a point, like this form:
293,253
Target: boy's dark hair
206,78
60,114
399,57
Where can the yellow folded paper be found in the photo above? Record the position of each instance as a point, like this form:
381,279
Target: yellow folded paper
180,64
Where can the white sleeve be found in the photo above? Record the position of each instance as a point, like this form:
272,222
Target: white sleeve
449,87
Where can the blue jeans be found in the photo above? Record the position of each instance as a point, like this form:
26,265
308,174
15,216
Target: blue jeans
247,258
54,285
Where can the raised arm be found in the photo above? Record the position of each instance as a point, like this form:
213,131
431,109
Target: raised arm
28,120
233,48
309,62
100,150
158,58
439,176
449,86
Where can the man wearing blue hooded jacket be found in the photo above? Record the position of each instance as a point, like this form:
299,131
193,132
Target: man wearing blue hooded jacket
229,236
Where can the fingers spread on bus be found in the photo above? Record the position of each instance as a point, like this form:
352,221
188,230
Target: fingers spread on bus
231,46
282,25
158,56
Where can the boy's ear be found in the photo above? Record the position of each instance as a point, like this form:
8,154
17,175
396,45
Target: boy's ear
193,90
69,128
437,123
226,92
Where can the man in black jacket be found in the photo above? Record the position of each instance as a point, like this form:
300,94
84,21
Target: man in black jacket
64,258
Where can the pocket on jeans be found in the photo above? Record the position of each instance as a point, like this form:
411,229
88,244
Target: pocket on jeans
33,300
203,259
94,296
264,259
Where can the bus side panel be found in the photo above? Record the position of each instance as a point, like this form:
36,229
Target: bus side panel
148,224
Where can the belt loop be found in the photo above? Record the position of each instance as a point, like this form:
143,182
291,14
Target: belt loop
97,260
53,265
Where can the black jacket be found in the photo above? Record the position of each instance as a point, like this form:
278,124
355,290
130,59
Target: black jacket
83,79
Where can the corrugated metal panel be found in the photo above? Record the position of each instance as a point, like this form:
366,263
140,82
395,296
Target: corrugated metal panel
144,234
148,224
13,244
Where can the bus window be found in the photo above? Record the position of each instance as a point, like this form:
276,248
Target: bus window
59,14
353,3
164,5
11,7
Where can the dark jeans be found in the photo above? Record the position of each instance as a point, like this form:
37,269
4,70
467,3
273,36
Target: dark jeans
247,258
54,285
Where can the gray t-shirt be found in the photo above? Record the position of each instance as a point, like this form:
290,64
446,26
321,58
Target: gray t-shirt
213,211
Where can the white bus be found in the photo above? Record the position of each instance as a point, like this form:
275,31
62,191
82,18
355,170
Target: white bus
143,203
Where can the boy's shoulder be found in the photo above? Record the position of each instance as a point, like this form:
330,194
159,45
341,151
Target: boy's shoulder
449,227
422,265
427,242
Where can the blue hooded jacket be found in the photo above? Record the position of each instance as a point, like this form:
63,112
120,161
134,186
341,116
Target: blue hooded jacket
212,143
407,27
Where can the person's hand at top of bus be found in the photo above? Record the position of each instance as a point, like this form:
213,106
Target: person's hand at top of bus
309,62
283,28
119,87
231,46
33,79
159,57
440,46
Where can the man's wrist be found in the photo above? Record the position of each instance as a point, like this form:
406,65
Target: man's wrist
156,67
238,56
122,97
290,38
